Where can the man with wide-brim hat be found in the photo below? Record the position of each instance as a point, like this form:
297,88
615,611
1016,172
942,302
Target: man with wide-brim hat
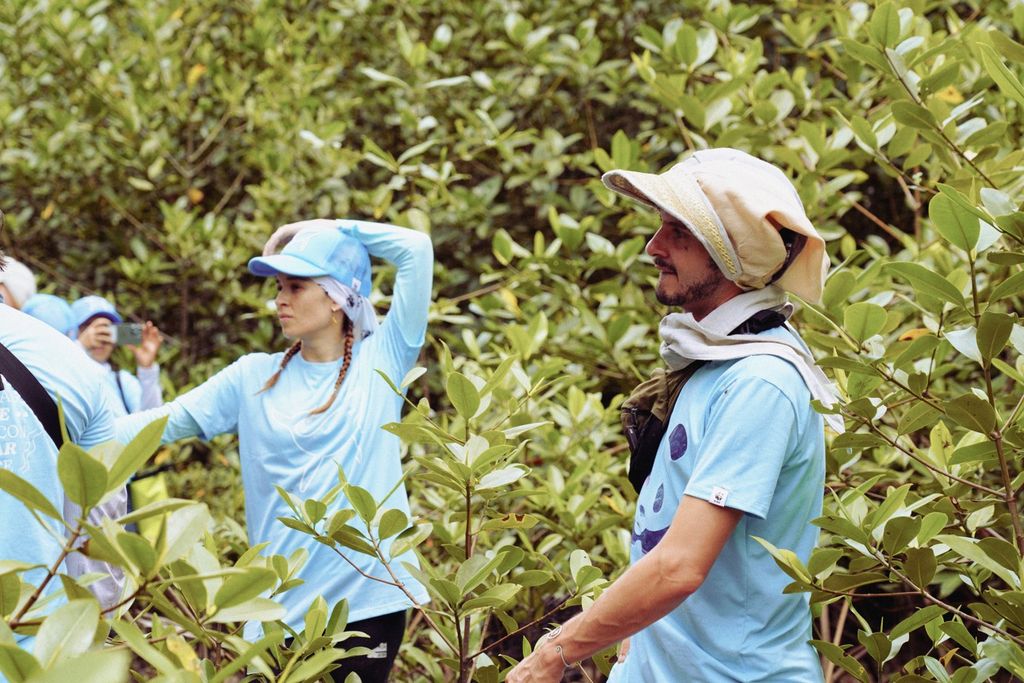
740,452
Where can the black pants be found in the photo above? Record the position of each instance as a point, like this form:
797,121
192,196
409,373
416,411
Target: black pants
385,635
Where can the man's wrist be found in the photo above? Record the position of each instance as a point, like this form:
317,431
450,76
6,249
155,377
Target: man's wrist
554,650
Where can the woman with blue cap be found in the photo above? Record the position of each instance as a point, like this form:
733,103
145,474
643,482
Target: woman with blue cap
318,407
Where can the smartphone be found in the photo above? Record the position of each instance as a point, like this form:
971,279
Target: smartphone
129,333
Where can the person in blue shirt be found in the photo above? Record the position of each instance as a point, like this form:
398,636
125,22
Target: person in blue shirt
318,407
27,450
53,311
95,320
743,453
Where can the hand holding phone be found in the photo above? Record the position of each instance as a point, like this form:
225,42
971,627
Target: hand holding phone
146,341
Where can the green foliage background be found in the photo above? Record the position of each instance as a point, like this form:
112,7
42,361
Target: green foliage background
148,148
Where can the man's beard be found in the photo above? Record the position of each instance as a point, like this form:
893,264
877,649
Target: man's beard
696,291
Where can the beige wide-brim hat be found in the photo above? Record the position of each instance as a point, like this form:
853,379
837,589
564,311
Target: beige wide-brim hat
733,202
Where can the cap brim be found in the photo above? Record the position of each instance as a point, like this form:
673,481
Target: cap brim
267,266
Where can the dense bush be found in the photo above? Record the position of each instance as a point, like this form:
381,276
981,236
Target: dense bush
149,148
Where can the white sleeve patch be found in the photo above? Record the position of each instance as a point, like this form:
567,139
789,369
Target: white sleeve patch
718,496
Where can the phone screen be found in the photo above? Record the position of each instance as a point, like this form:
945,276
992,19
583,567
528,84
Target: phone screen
129,333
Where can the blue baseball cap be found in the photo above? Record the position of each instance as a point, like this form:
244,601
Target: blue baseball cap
88,307
315,253
52,310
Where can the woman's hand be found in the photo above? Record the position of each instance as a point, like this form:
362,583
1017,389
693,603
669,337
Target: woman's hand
145,352
544,665
286,232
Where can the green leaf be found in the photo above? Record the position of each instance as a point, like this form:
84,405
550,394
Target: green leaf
877,645
1011,286
256,609
920,567
884,25
184,526
241,588
933,523
495,596
863,320
926,281
899,532
350,537
958,632
67,632
960,227
787,560
135,639
475,570
392,522
95,666
16,664
918,619
362,502
28,494
153,509
312,668
835,654
973,413
139,550
463,395
968,549
412,376
993,332
84,478
1004,78
919,415
136,453
913,115
502,477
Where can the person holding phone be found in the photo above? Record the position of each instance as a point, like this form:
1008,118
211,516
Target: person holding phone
99,327
316,409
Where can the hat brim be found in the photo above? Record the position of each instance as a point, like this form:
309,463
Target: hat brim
284,264
691,208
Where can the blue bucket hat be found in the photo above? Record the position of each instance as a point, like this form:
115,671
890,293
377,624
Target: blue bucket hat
52,310
316,253
89,307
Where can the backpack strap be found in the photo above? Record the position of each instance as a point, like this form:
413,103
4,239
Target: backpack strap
33,393
646,412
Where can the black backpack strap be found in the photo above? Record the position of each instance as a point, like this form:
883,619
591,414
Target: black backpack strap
32,392
645,426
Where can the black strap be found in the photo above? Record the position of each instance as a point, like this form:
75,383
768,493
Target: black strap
645,439
120,388
32,392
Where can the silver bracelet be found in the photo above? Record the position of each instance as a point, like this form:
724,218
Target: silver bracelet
551,635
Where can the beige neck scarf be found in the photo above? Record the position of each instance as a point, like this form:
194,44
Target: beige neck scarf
685,340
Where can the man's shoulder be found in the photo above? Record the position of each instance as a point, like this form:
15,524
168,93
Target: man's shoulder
64,370
45,350
764,368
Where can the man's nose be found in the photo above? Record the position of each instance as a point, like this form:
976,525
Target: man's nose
654,245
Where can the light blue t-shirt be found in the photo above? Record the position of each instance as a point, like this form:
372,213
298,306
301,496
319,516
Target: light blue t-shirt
742,435
64,370
281,444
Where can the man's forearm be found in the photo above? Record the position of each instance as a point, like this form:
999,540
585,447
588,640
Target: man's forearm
646,592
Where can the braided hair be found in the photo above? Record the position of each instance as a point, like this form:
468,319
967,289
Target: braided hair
349,334
348,331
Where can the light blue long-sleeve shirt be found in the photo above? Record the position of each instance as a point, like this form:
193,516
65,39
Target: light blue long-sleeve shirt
282,444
